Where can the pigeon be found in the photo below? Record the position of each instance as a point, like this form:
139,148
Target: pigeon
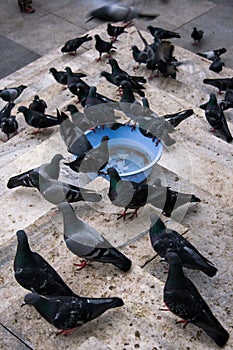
75,141
34,273
139,56
169,69
118,13
48,170
132,195
79,119
119,75
164,240
86,242
115,31
69,312
222,84
215,117
61,76
197,35
216,65
103,46
83,91
38,105
72,81
228,100
11,94
94,160
213,54
184,300
6,111
9,125
57,192
117,80
97,112
39,120
72,45
162,33
176,118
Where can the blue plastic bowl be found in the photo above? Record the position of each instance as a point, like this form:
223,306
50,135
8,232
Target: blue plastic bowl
131,153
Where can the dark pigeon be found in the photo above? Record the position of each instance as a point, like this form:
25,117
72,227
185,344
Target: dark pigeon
132,195
216,65
228,100
38,105
83,91
117,13
161,33
57,192
197,35
176,118
93,161
115,31
39,120
222,84
215,117
9,125
11,94
34,273
61,76
212,54
72,45
67,312
48,170
183,299
72,81
165,240
86,242
6,110
120,75
103,46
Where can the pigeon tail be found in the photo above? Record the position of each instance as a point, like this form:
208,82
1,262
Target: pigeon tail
116,258
177,118
147,16
98,306
214,329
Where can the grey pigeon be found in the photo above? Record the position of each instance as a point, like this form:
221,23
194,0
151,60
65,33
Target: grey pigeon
228,100
165,240
184,300
212,54
34,273
93,160
67,313
48,170
11,94
39,120
72,45
86,242
117,13
197,35
79,119
38,105
215,117
57,192
222,84
103,46
216,65
61,76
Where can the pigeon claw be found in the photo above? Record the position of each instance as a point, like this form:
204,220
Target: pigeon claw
65,332
185,322
82,264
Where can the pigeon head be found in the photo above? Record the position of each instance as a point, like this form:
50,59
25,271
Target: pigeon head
31,299
113,173
105,138
52,70
154,219
72,108
21,236
173,259
36,98
22,109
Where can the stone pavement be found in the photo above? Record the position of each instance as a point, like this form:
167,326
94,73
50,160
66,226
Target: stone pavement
26,37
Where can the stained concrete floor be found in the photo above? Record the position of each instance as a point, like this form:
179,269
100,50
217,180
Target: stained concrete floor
26,37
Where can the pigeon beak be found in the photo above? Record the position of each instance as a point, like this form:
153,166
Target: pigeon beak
162,260
23,304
